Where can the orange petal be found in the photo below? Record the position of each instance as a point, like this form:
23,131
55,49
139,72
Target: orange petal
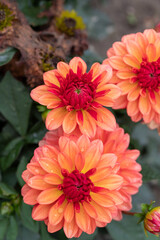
113,91
65,162
102,199
142,41
156,106
70,150
89,209
93,155
49,196
157,46
50,78
111,183
69,123
69,212
107,160
133,94
70,228
49,100
131,61
78,62
52,179
35,168
50,152
79,161
83,143
125,74
25,189
132,108
144,104
31,197
119,48
89,125
103,214
40,212
100,174
39,91
82,219
55,118
55,228
120,102
117,63
37,182
50,166
134,49
56,213
126,86
151,35
26,175
105,119
151,52
63,68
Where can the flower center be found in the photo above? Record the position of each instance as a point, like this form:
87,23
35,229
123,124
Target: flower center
77,186
148,76
76,91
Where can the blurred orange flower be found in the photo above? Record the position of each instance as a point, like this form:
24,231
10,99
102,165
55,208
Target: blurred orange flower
77,97
136,66
79,184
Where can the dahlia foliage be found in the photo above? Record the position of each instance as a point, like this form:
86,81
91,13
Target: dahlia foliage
136,71
79,183
83,175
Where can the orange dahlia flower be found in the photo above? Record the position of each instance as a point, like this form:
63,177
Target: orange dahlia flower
78,184
136,66
77,97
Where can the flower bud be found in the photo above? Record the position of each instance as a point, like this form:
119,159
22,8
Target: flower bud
6,208
152,221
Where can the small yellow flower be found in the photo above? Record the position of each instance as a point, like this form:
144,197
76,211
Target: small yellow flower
69,21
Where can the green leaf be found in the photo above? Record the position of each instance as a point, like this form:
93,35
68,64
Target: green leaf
3,227
6,55
36,133
20,169
150,172
32,13
28,222
25,234
6,190
127,228
11,152
15,103
44,234
12,230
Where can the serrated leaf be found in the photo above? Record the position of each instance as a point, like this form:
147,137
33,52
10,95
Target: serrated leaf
28,222
15,103
11,152
12,230
3,227
6,55
20,169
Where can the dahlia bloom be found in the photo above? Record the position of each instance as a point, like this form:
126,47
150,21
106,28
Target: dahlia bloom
80,184
152,221
77,97
136,70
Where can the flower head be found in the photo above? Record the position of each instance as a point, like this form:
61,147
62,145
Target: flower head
78,184
136,66
69,21
6,16
152,221
77,97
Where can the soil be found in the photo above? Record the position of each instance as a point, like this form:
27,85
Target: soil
127,16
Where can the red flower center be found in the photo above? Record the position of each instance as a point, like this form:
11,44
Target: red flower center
148,76
77,186
76,91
